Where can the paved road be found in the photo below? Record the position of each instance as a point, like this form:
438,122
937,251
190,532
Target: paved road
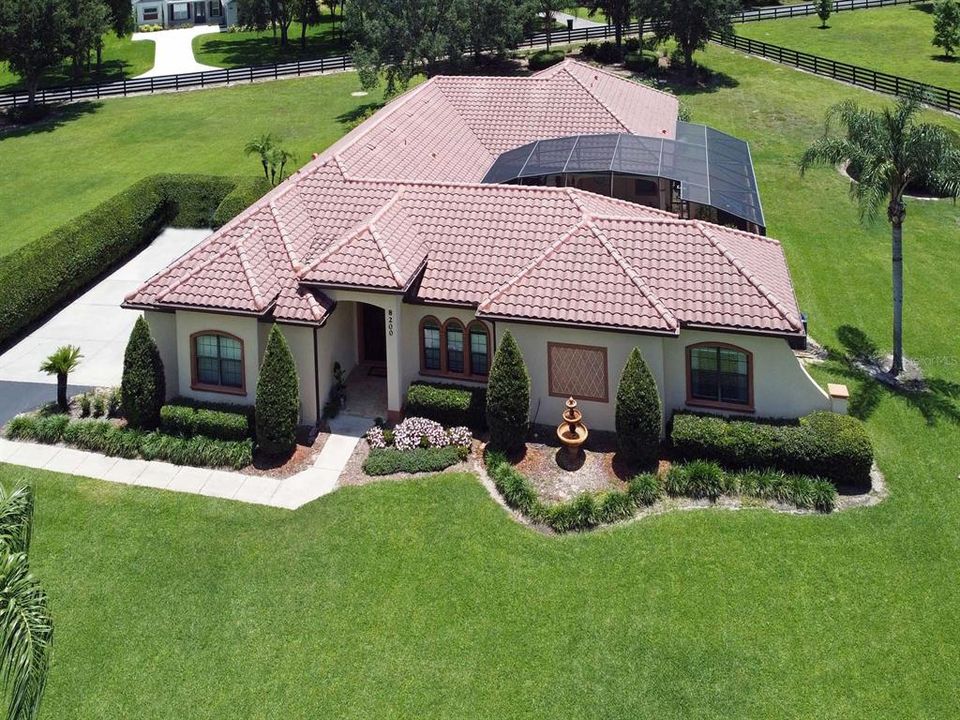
174,51
18,397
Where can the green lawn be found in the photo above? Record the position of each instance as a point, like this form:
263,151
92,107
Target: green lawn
122,58
895,40
422,599
244,48
111,144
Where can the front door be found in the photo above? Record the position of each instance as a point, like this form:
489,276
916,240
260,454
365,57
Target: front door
200,12
373,334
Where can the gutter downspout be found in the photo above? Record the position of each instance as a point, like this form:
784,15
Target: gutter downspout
316,376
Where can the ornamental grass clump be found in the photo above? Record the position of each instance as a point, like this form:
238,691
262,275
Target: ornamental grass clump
645,489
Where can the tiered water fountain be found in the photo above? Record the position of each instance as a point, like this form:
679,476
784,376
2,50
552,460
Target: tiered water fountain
572,433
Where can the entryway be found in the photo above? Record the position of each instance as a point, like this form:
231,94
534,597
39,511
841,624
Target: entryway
372,336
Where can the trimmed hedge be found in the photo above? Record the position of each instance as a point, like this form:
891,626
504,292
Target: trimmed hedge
189,422
105,437
246,192
542,59
823,444
38,277
448,404
388,461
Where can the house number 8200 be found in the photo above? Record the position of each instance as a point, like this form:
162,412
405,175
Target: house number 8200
390,323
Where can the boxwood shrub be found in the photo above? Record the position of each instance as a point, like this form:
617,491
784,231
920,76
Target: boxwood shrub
38,277
246,192
823,444
188,422
543,59
388,461
447,404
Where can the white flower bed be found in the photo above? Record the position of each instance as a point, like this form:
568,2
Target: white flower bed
417,432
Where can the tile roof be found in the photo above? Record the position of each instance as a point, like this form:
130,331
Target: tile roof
397,204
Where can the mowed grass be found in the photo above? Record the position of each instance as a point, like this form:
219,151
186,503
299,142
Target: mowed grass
122,58
423,599
252,47
895,40
59,170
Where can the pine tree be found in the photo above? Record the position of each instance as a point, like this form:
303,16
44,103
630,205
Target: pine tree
639,412
278,398
143,389
508,396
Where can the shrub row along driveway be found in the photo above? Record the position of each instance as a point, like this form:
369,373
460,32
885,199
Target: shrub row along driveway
94,321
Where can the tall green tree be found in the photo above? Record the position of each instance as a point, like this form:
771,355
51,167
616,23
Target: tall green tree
494,25
87,22
26,625
549,10
122,20
278,398
307,13
32,39
508,396
61,363
946,26
143,387
618,12
824,8
889,149
691,22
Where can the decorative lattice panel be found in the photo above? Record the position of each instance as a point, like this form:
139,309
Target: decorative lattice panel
577,370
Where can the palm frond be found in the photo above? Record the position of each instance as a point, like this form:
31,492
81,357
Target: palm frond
26,635
64,360
16,518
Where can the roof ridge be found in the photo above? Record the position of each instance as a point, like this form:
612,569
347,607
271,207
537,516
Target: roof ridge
744,271
258,299
281,228
186,276
353,233
500,291
665,313
592,94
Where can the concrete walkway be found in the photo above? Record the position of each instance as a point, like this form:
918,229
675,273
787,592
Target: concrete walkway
174,51
289,493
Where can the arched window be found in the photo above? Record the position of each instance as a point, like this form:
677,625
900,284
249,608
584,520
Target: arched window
719,375
217,361
479,338
430,344
453,331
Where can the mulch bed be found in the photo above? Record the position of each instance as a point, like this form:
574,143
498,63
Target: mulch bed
310,442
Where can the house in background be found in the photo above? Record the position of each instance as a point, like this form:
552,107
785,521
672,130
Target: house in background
566,208
171,14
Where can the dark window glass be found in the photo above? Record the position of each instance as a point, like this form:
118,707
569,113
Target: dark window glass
719,375
431,347
479,352
219,361
455,349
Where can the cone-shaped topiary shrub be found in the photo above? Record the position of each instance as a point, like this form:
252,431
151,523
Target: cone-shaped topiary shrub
278,398
639,414
143,387
508,396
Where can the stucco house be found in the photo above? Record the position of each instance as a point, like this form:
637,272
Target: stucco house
405,250
176,13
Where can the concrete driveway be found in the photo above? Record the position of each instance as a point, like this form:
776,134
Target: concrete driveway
95,322
174,51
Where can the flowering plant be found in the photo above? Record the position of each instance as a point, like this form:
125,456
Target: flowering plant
418,432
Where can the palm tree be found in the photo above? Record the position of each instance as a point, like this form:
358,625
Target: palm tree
63,362
26,628
889,149
278,160
261,146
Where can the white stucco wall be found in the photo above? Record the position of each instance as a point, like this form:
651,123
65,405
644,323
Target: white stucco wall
336,342
781,385
546,409
246,328
163,328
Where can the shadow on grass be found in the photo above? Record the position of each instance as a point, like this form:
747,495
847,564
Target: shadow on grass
703,81
939,401
949,59
56,117
110,71
924,7
355,116
242,49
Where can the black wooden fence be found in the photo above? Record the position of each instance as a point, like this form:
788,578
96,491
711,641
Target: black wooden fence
935,96
185,81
